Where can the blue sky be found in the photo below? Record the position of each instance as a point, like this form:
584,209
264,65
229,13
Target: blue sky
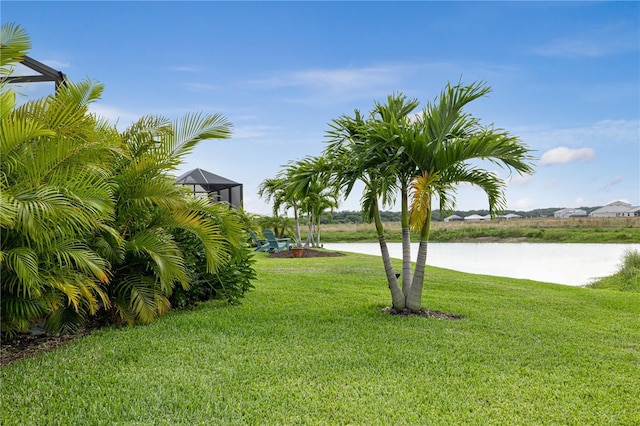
565,78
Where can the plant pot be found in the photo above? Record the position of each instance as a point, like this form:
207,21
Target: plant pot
297,251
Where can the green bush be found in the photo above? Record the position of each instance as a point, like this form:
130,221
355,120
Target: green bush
230,282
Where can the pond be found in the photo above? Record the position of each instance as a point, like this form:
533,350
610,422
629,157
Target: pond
570,264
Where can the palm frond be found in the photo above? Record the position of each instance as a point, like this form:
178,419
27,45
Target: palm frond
24,263
159,252
14,43
422,189
19,312
139,298
194,128
489,182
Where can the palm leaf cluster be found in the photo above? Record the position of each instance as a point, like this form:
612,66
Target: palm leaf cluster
89,215
419,157
300,187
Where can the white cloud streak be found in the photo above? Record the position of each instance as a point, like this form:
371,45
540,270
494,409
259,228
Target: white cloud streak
119,117
563,155
600,42
604,132
617,179
201,87
333,79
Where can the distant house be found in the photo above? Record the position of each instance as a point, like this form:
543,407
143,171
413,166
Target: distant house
634,212
477,217
453,217
511,216
564,213
616,209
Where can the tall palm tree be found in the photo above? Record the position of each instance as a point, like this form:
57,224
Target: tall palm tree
278,190
391,127
308,183
448,145
351,157
421,157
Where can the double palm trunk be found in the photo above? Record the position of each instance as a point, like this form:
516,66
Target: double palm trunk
406,244
397,296
414,299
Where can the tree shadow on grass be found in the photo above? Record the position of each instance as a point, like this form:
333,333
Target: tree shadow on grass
424,313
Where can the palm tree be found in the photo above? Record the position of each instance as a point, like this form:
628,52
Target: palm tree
351,157
310,185
53,197
147,261
277,189
82,206
390,127
447,141
421,157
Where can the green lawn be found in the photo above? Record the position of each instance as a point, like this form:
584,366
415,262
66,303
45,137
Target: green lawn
310,345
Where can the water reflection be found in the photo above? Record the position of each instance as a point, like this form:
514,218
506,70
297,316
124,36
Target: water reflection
570,264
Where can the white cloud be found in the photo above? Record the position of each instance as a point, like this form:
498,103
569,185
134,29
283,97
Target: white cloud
55,64
611,40
252,132
580,202
201,87
333,79
121,118
524,204
518,180
602,132
563,155
184,68
617,179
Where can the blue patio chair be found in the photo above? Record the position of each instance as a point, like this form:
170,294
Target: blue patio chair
276,245
261,245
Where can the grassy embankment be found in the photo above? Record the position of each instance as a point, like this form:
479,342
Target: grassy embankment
548,230
310,345
628,276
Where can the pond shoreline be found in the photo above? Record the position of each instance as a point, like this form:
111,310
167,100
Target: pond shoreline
575,264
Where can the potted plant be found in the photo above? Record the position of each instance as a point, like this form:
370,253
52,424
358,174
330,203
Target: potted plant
297,249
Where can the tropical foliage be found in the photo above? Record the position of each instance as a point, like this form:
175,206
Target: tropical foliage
421,157
91,218
308,193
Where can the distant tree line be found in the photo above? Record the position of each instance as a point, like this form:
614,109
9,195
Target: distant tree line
351,216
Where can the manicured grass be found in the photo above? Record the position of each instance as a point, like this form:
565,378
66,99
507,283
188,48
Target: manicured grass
310,345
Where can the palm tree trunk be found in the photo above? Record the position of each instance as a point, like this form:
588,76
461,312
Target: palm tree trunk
397,297
318,234
295,216
309,242
406,243
414,299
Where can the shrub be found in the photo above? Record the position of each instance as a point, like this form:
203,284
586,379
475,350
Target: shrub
229,282
628,276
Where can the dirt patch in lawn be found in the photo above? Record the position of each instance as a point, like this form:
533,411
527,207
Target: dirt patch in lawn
424,313
27,345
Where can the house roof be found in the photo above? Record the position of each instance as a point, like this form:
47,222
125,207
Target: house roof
475,217
615,207
208,181
569,210
511,216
